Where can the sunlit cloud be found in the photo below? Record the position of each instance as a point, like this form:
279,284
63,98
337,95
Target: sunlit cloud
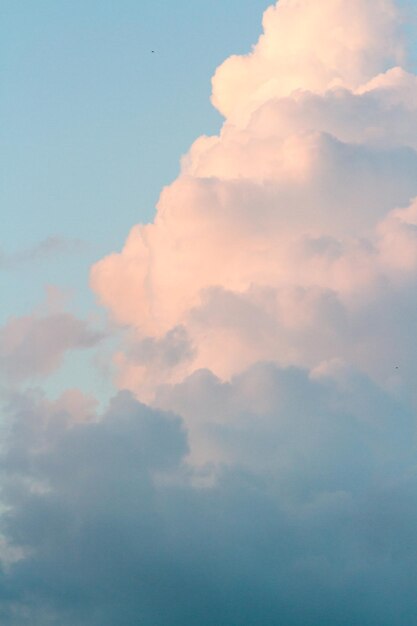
291,236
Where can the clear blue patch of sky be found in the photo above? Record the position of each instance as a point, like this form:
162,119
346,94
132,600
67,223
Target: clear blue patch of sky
93,122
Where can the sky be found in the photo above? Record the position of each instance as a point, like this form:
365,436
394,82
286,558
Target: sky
88,135
207,330
88,112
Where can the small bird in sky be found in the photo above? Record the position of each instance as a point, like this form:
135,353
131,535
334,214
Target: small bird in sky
153,51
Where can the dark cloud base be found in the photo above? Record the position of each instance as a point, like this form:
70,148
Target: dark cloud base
320,528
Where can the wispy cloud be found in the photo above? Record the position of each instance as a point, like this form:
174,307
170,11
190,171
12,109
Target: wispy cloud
32,346
47,248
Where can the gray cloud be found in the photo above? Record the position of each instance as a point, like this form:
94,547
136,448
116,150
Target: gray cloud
311,522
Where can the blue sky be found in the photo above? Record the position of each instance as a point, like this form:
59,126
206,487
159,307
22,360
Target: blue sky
94,124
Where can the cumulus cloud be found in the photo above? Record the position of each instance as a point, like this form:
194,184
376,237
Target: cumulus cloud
268,316
311,46
290,236
33,346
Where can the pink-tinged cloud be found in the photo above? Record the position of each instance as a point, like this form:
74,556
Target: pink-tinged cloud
33,346
291,236
312,46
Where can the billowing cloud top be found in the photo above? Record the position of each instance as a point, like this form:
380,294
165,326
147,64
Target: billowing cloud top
290,236
310,46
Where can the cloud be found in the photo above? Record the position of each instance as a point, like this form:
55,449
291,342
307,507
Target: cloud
32,346
268,320
291,236
51,246
278,421
312,46
310,519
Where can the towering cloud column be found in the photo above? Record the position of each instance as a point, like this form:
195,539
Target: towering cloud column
291,236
